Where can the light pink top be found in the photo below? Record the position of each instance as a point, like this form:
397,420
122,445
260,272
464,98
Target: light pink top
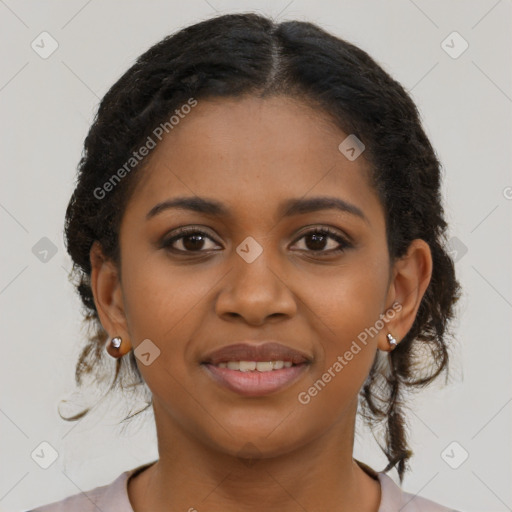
114,497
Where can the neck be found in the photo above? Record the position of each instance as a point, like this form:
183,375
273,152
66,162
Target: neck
189,475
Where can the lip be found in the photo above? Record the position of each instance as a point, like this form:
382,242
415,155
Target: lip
268,351
255,383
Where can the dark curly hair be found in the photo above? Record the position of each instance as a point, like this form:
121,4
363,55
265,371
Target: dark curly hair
248,54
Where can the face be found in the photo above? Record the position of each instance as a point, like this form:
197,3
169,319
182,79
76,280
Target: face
254,271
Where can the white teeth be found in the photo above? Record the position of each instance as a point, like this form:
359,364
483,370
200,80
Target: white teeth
264,366
261,366
246,366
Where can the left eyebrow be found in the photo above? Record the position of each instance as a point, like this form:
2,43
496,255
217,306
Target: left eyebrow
314,204
287,208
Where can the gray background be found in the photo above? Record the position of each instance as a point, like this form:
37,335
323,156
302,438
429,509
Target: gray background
46,107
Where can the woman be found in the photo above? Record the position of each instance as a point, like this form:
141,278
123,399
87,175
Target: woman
258,237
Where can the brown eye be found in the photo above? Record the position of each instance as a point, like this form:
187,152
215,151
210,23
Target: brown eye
192,240
317,240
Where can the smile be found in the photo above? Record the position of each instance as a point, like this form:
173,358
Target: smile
252,378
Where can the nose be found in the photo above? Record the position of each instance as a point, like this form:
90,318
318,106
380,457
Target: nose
256,292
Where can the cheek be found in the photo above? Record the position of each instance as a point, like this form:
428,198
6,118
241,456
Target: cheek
166,305
158,297
162,307
345,301
347,352
346,311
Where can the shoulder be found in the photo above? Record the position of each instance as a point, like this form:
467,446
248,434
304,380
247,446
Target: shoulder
393,498
110,497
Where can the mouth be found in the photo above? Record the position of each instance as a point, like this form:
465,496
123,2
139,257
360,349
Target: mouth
256,370
256,382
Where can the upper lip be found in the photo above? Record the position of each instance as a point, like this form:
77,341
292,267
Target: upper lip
269,351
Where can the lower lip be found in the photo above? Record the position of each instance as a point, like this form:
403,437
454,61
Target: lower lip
255,383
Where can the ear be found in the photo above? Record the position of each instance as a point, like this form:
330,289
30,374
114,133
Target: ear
411,277
108,297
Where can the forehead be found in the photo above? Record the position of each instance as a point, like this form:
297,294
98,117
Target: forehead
253,153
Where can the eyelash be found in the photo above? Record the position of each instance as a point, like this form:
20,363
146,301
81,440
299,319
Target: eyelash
184,232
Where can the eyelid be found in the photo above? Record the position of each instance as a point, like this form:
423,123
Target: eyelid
343,240
182,232
331,231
